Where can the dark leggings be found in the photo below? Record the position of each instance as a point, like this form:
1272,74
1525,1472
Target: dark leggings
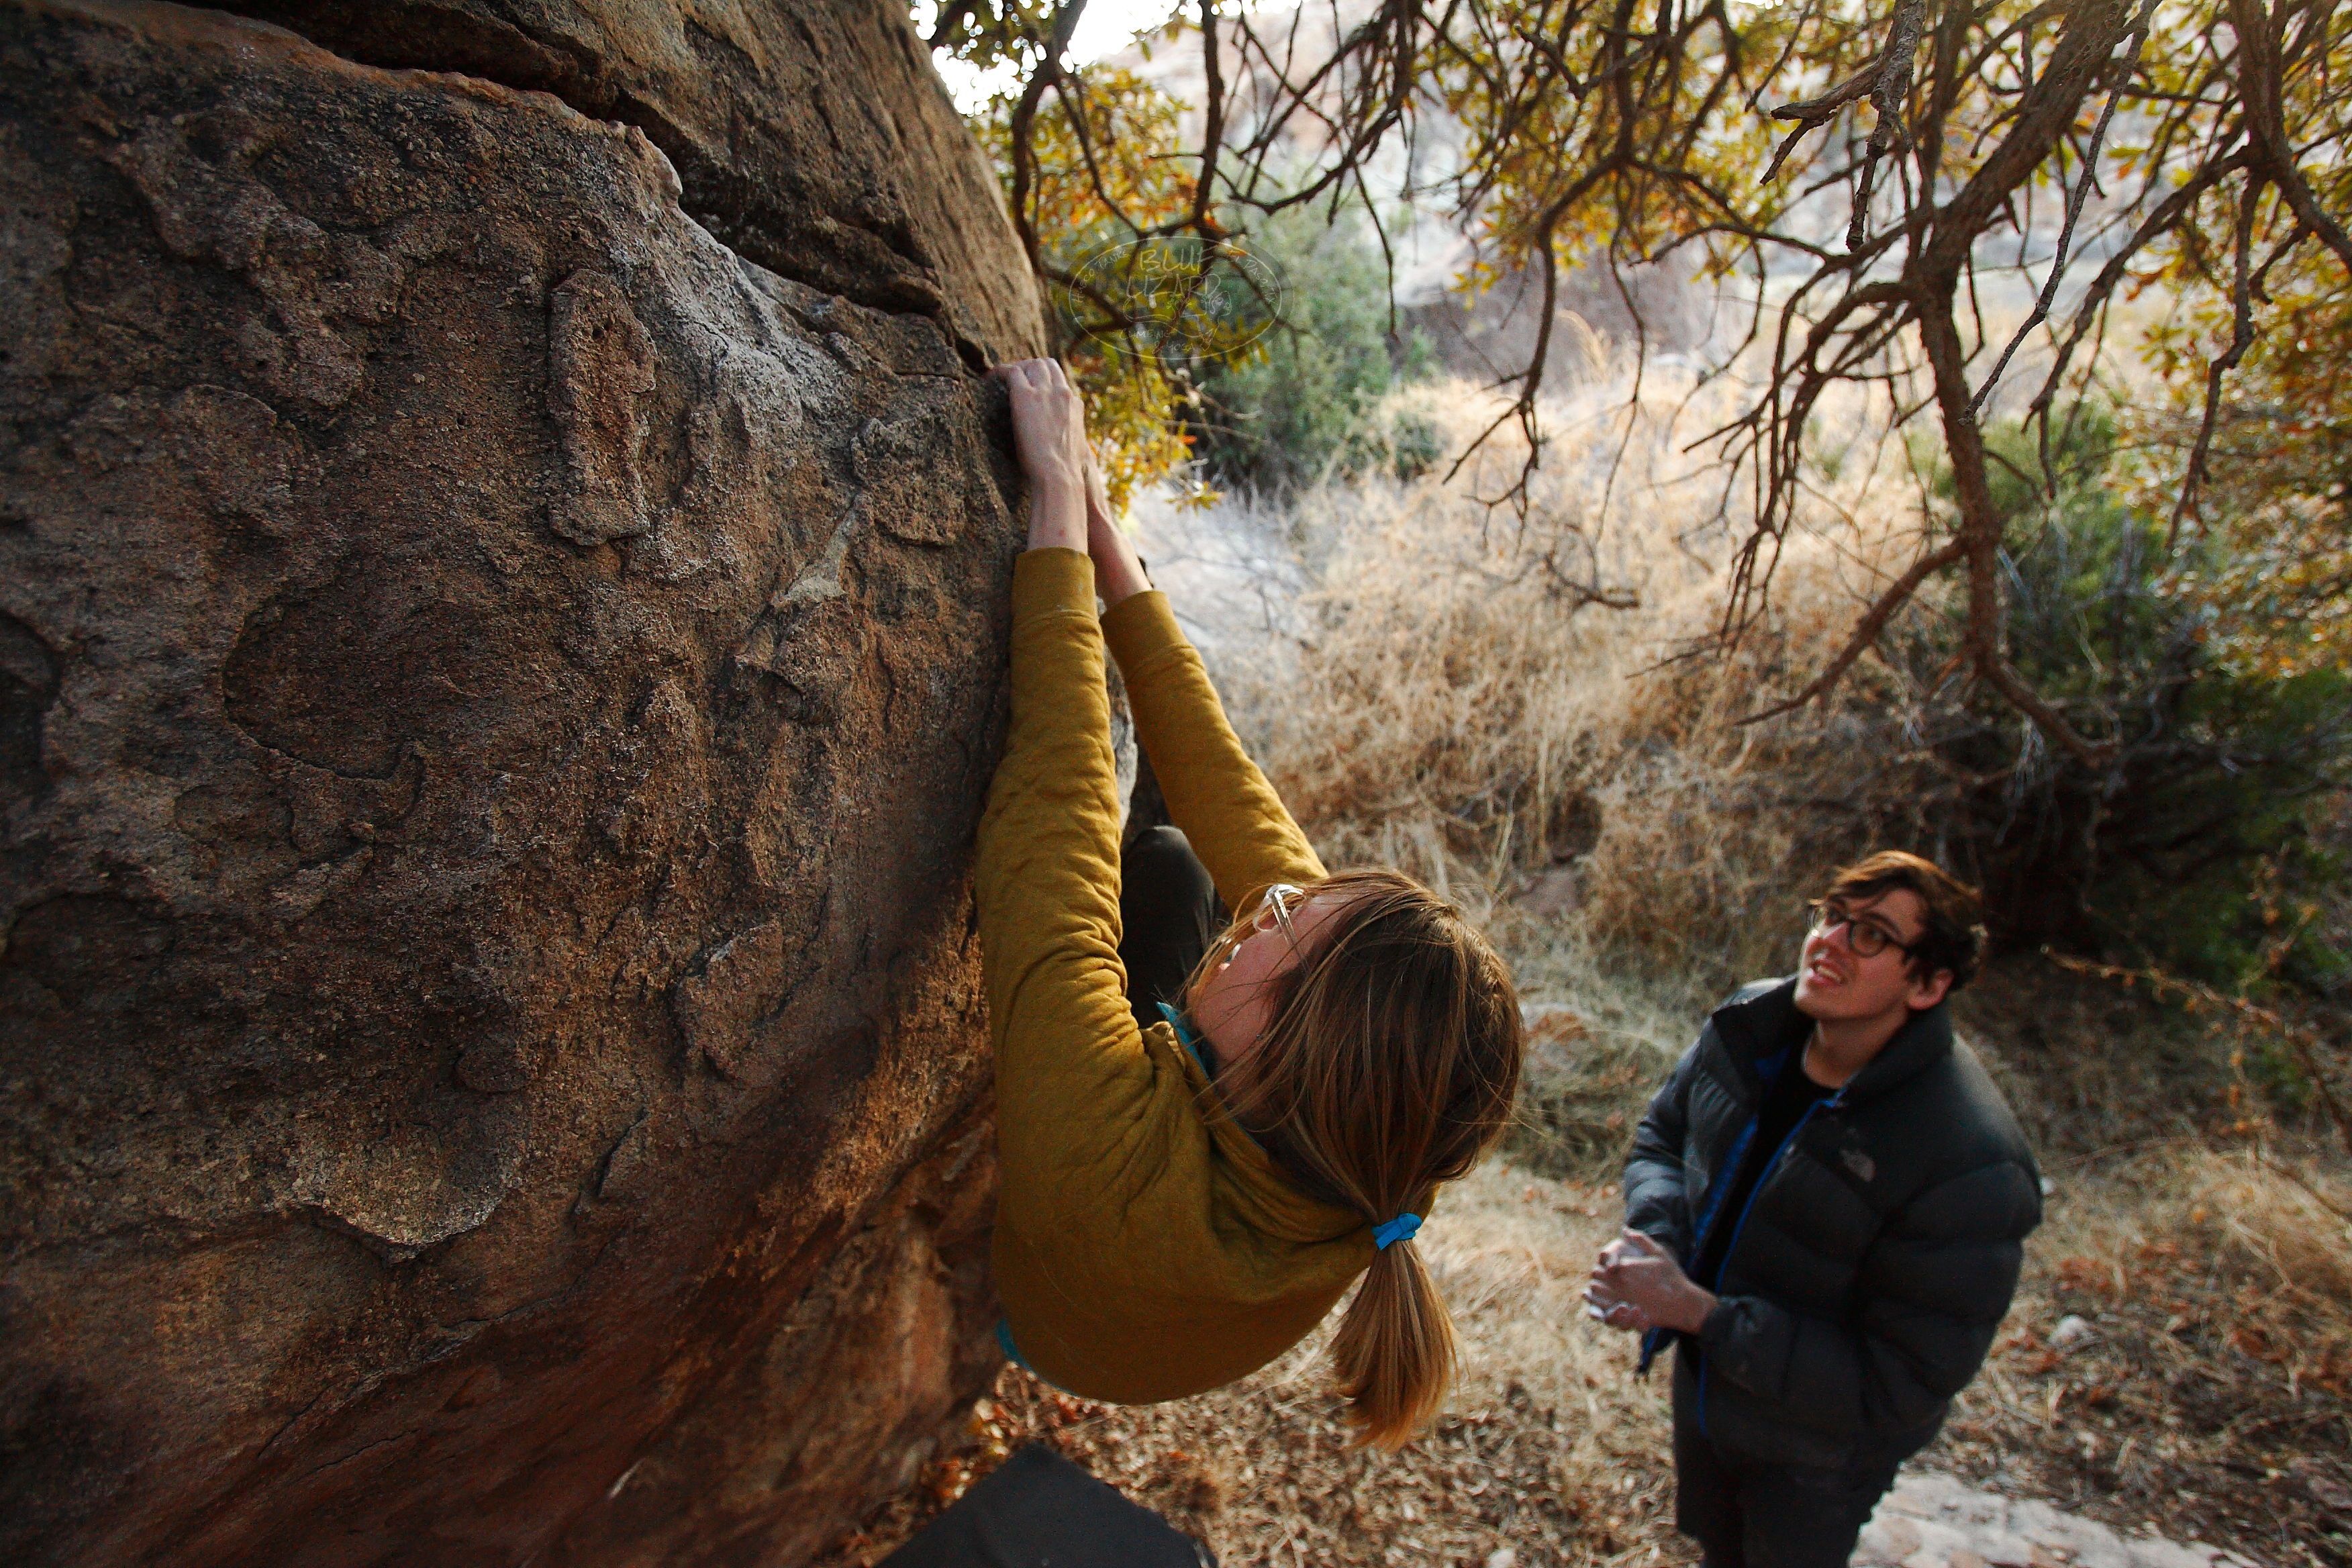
1745,1512
1168,914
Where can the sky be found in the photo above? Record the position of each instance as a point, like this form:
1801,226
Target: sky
1105,27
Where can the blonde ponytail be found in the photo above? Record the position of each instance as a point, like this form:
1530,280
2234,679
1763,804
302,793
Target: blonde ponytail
1390,1066
1394,1349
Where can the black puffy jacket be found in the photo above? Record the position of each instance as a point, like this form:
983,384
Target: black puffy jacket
1877,1253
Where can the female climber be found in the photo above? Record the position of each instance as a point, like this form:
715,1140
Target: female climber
1205,1136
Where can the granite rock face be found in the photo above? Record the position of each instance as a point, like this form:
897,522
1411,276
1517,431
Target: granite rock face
812,136
499,670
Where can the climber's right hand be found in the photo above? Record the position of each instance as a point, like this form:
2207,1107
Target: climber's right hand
1049,435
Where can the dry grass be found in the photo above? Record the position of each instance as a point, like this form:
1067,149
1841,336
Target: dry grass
1581,1095
1447,700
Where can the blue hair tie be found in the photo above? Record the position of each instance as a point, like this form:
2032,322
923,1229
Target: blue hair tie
1402,1228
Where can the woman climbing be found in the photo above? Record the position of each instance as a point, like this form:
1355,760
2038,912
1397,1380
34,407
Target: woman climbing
1205,1136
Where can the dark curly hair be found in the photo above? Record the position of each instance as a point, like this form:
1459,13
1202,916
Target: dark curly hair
1955,937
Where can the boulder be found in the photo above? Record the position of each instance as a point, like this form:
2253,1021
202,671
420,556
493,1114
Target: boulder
501,652
812,136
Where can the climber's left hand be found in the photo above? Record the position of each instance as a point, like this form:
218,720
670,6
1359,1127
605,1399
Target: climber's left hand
1049,434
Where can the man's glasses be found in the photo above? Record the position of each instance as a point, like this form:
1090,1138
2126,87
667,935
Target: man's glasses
1866,936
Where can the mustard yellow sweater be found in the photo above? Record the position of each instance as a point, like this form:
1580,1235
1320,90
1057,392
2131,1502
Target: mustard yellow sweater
1145,1248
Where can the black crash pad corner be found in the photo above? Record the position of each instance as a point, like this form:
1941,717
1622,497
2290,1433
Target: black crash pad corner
1037,1510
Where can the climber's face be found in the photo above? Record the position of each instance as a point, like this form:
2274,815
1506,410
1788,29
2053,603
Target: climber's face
1232,1004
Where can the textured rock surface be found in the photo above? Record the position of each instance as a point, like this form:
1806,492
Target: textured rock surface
812,135
495,693
1933,1521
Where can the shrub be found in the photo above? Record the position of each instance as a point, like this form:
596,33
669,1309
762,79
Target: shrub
2187,846
1309,401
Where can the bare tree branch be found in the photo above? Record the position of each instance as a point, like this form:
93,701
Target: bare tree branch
2241,338
1865,632
2074,200
1608,134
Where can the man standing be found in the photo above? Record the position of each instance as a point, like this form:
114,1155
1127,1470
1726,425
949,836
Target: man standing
1825,1207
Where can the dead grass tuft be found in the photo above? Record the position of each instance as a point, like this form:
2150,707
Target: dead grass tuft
1442,693
2285,1232
1581,1095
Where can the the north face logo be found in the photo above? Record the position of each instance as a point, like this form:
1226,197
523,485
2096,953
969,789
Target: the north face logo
1860,1163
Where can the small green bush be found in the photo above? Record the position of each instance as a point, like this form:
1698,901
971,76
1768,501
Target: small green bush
1306,401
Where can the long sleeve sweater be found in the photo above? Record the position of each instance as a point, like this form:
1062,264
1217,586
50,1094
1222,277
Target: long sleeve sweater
1145,1248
